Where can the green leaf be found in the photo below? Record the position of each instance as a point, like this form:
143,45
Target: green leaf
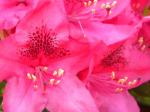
142,94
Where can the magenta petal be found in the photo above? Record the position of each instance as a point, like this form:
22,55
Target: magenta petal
123,102
49,13
19,96
9,59
94,9
96,31
12,11
70,96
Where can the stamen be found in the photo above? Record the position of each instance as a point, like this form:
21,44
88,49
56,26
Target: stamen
132,83
45,69
89,3
108,6
119,90
82,30
55,73
34,78
85,4
52,81
114,3
113,75
125,82
29,76
143,47
142,44
60,72
41,76
141,41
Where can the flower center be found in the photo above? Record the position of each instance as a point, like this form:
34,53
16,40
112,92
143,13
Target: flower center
41,77
114,59
42,45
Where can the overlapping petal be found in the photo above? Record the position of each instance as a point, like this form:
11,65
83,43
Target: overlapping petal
12,11
94,9
20,96
71,96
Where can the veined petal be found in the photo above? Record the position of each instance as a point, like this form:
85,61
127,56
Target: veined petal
123,102
19,96
96,31
71,96
94,9
12,11
51,14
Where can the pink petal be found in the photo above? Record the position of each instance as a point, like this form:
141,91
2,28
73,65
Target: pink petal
123,102
19,96
70,96
127,17
83,9
96,31
49,13
11,12
10,63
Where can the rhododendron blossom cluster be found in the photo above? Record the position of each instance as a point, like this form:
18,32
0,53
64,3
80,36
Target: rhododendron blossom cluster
73,55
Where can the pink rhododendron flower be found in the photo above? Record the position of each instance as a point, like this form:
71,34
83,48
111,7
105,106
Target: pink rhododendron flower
93,26
11,11
73,55
40,62
125,65
94,9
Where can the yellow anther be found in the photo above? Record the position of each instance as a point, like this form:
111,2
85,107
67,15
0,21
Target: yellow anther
85,4
114,3
143,47
141,41
89,3
55,73
118,90
95,1
60,72
121,81
34,78
107,5
132,83
125,78
51,81
113,75
29,76
45,68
